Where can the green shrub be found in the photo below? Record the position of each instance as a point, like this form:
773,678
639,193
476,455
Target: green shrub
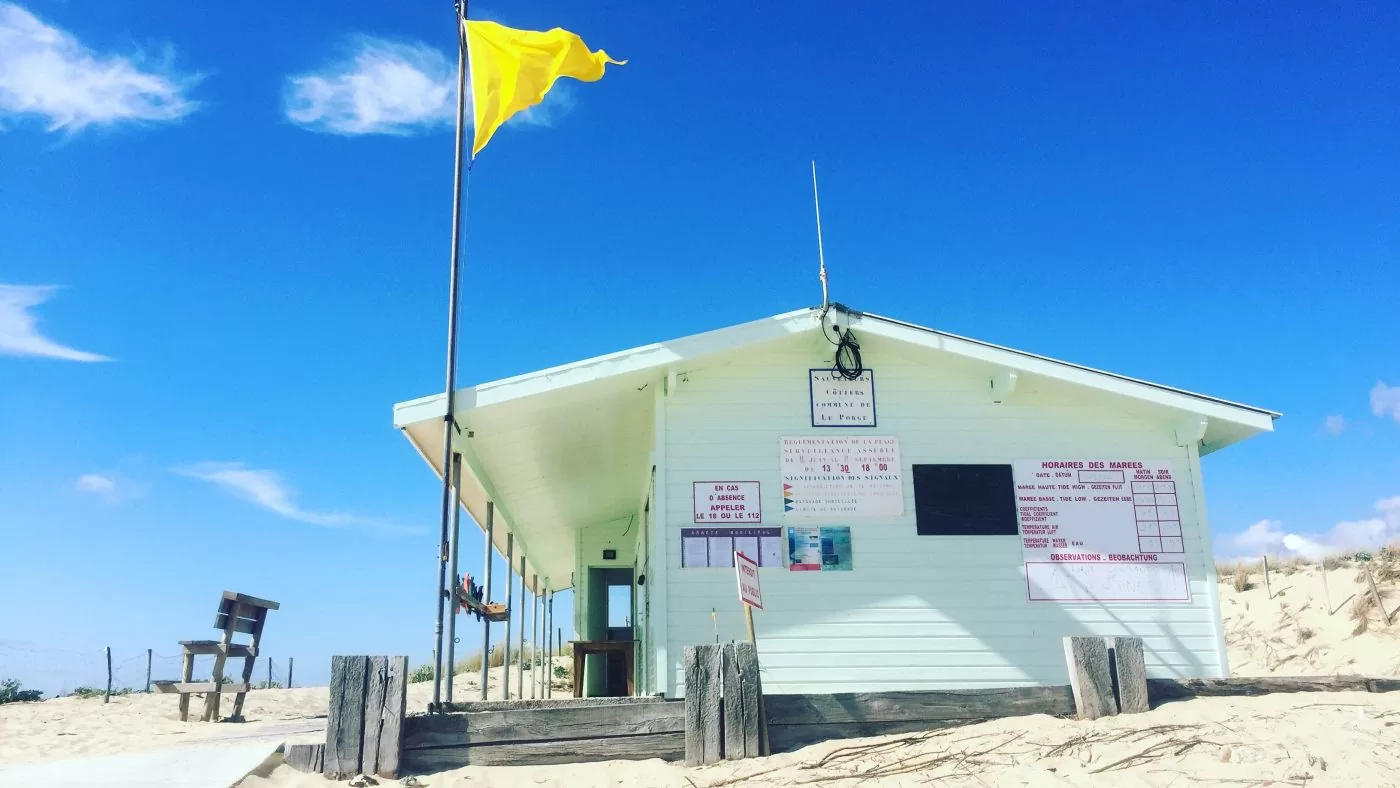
265,684
421,674
11,693
94,692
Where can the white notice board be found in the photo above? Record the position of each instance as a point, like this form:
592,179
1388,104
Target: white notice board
1101,530
838,402
727,502
842,477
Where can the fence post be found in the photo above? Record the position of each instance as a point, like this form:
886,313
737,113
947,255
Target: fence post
107,696
1088,677
148,670
702,705
1267,589
289,672
1376,595
269,672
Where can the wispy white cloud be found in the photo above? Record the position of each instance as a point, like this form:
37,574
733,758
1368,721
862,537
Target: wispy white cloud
19,332
110,486
1385,401
266,489
380,87
1269,536
396,87
1334,425
96,483
47,73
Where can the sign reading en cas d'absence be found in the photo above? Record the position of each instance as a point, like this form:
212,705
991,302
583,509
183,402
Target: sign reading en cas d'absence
727,502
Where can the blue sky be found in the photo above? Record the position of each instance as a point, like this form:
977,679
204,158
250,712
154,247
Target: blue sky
224,238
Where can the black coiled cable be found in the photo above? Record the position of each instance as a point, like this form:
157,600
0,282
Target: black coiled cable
848,363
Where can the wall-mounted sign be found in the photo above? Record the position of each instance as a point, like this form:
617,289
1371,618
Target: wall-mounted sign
747,570
842,477
819,549
1101,531
727,502
706,547
838,402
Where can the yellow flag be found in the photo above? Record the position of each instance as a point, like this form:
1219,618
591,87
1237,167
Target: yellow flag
511,70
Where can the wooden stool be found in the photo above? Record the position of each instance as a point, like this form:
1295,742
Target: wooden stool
238,613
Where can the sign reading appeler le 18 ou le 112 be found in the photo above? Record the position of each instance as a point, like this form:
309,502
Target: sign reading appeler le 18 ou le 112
727,502
747,571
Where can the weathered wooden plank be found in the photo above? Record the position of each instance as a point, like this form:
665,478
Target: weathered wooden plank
346,717
915,706
1089,679
391,731
731,704
233,596
172,687
787,738
376,678
213,647
309,758
1383,685
1130,668
702,705
1159,690
547,703
243,625
666,746
748,717
527,725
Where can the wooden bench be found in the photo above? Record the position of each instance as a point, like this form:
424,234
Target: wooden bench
238,614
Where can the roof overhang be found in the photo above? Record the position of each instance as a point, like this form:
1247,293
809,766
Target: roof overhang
569,446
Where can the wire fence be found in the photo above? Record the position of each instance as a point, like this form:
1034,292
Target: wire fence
58,672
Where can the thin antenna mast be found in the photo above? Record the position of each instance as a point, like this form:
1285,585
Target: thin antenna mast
821,254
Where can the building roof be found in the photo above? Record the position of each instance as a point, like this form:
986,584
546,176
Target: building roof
568,446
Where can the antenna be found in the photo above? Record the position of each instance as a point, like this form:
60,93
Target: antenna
821,254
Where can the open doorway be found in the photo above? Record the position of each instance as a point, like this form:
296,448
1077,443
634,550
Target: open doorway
610,617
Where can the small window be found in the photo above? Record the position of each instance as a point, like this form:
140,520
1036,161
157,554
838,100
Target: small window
964,500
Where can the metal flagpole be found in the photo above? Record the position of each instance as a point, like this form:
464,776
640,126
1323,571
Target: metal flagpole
448,419
456,580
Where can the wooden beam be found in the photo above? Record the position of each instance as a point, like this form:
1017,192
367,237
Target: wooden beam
549,724
666,746
852,708
741,702
172,687
376,679
309,758
1159,690
233,596
213,647
1089,679
1130,674
702,705
346,718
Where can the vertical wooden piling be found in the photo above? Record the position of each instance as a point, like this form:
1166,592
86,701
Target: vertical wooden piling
702,705
1087,658
1130,668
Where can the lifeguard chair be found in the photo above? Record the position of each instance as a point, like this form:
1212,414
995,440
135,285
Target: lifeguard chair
238,613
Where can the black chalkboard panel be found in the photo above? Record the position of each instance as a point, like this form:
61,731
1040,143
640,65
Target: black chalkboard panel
964,500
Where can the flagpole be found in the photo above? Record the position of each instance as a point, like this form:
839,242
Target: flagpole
449,420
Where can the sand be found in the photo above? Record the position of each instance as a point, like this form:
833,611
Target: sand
1304,739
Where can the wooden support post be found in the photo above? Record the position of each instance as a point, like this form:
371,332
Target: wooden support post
702,705
1267,588
346,717
107,695
1326,592
1130,669
1375,595
520,663
486,597
289,672
505,663
148,671
269,672
392,727
186,676
748,619
1087,658
742,720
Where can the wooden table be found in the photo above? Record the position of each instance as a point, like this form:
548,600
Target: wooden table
583,648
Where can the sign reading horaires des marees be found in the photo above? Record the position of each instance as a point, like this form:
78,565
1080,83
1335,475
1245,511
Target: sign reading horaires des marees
747,571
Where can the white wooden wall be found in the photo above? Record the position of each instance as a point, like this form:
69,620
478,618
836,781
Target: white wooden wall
917,612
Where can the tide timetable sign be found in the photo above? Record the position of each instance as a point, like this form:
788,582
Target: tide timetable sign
727,502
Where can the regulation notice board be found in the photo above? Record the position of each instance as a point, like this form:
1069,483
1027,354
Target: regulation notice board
842,477
1101,530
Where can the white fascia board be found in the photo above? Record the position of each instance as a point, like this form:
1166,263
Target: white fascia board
658,355
1245,415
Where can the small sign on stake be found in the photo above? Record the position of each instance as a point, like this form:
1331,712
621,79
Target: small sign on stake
747,570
